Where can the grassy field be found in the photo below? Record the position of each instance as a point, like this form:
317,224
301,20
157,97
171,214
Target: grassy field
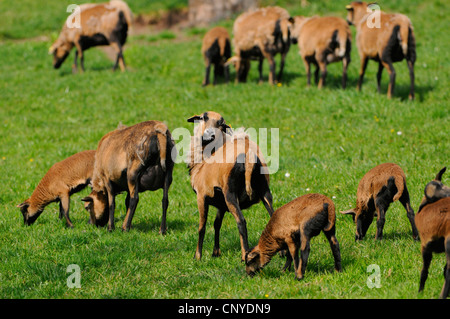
328,140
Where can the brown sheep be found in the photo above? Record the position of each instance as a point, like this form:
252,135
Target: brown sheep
435,190
232,177
132,159
322,40
433,223
391,41
259,35
61,181
292,226
381,186
100,24
216,50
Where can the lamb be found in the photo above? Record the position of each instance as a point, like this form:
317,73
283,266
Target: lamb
100,24
391,41
216,49
381,186
259,35
63,179
292,226
322,40
132,159
435,190
227,171
433,223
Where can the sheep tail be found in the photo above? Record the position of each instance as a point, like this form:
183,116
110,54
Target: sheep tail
121,5
342,39
400,184
250,160
331,216
403,35
222,45
162,141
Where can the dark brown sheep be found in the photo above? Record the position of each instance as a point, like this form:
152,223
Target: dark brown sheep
381,186
228,172
100,24
61,181
322,40
132,159
391,41
433,223
291,227
216,50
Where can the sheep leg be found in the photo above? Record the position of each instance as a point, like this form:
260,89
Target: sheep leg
411,76
288,263
446,287
323,74
203,216
379,73
282,62
381,217
233,207
304,255
426,257
165,203
316,73
345,63
390,68
308,70
119,61
65,205
364,61
134,200
267,201
272,66
112,207
260,70
75,63
404,199
217,226
334,245
207,73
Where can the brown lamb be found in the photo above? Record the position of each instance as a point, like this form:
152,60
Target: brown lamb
100,24
228,172
292,226
261,34
392,41
433,223
61,181
381,186
216,50
322,40
132,159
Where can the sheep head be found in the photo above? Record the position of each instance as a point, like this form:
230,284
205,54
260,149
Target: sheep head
29,214
60,51
96,204
356,11
210,124
253,261
435,190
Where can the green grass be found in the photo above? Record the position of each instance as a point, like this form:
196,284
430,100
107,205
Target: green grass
328,140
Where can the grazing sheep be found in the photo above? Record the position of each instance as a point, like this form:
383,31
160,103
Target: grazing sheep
292,226
433,223
381,186
391,41
259,35
216,49
322,40
228,172
61,181
132,159
435,190
100,24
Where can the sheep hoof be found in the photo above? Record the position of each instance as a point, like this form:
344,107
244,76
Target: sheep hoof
216,252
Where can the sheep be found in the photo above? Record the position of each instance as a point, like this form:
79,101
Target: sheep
322,40
100,24
433,223
216,49
259,35
132,159
380,186
292,226
63,179
227,171
391,41
435,190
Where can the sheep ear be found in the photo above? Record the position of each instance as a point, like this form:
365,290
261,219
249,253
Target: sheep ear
194,118
225,127
439,175
349,212
87,199
349,7
251,255
23,205
51,50
291,20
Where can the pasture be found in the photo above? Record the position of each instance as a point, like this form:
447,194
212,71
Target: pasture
328,139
